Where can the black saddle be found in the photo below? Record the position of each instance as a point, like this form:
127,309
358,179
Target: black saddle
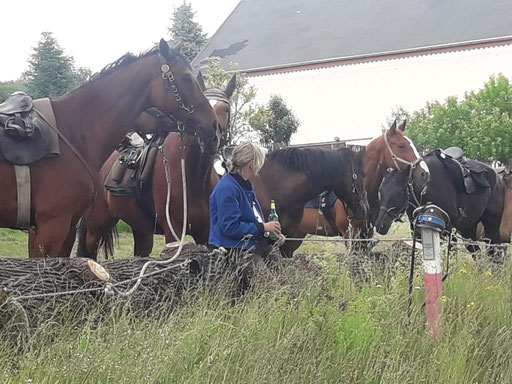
469,176
133,169
25,135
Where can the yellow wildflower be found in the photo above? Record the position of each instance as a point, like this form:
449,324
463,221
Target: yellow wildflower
463,271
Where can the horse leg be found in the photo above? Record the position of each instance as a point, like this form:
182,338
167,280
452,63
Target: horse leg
67,247
48,237
492,232
143,243
289,247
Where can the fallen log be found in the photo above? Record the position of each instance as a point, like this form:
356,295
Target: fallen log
43,287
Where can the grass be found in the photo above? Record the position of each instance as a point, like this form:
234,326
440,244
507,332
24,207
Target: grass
335,326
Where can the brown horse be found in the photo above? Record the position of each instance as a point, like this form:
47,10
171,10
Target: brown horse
390,150
93,119
293,176
146,214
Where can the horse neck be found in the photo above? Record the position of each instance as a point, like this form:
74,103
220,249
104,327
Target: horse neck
288,189
95,117
199,167
373,158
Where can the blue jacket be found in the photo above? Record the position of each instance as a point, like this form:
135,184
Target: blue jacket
233,223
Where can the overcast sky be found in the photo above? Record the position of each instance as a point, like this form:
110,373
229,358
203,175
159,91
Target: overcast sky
94,32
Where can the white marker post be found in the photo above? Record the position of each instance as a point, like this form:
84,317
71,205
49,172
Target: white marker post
432,221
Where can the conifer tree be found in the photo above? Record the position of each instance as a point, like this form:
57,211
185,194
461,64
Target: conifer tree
186,31
51,72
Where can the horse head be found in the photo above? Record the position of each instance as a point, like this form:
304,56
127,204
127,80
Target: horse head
350,187
399,152
393,199
177,92
220,102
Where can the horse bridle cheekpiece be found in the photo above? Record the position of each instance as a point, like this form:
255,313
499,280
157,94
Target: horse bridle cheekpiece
396,158
169,76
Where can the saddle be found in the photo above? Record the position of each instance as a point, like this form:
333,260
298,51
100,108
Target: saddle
325,202
25,132
133,170
469,176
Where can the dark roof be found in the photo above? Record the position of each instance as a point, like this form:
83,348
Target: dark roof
265,34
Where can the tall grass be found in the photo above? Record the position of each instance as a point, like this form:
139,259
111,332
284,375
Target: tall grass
345,323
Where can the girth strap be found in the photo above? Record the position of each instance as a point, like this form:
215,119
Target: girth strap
23,190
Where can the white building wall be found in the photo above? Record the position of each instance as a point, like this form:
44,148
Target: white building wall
354,101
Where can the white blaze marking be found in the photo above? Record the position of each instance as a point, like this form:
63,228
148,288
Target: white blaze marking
213,103
416,153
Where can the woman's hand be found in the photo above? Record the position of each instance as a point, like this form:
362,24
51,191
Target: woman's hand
281,240
273,227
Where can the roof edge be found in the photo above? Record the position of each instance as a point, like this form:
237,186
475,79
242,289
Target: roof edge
379,56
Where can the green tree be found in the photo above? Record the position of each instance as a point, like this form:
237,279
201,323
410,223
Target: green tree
8,87
244,110
186,31
277,125
480,123
51,72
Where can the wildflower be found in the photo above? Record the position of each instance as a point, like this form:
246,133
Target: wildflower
488,273
444,299
463,271
471,305
490,288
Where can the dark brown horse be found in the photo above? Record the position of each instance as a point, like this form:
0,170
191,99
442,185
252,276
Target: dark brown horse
390,150
146,214
293,176
93,119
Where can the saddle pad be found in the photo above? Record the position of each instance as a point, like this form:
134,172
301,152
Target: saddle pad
43,143
329,200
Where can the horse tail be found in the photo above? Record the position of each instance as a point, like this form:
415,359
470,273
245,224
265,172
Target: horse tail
106,241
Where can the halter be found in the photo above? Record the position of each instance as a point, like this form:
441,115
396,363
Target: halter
169,76
396,158
411,164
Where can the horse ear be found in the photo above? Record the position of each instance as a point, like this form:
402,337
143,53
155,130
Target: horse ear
200,80
178,47
163,47
403,126
392,129
230,87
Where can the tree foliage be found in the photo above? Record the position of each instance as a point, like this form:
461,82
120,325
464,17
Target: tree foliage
480,123
244,110
277,124
186,31
8,87
51,72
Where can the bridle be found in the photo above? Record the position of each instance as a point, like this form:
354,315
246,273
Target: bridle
167,74
396,159
411,164
216,94
354,191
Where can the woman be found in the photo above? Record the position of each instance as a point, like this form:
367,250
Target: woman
236,218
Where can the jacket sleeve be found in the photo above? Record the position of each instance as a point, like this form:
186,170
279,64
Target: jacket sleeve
229,217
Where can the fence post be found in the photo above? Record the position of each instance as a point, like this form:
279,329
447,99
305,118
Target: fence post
432,221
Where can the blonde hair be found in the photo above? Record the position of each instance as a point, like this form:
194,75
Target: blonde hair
243,154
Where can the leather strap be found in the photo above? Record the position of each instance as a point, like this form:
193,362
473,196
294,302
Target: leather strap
44,109
23,191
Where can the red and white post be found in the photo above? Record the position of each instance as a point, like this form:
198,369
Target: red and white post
432,221
433,271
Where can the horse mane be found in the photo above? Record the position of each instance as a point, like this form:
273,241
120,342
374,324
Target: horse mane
317,164
124,60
